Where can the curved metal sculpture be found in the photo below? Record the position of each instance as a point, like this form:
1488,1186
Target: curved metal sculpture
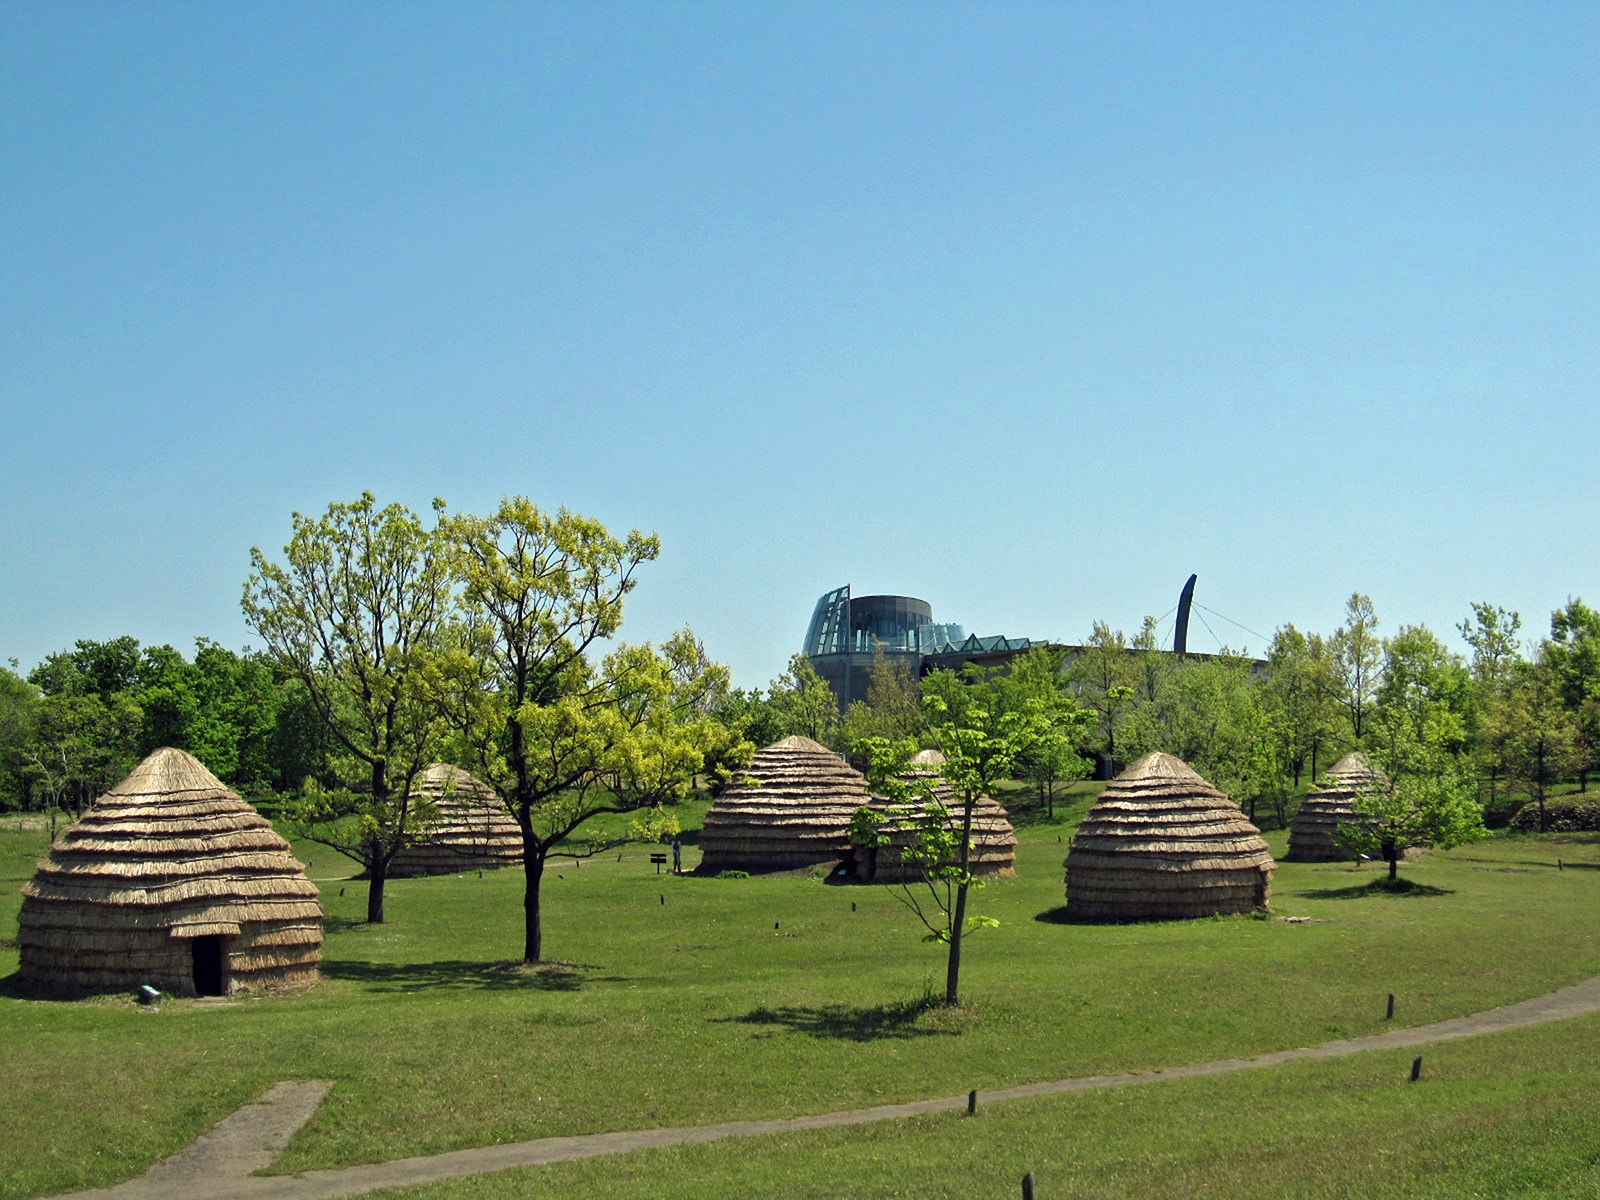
1180,638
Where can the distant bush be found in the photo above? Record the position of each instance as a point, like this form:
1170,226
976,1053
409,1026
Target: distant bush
1578,813
733,874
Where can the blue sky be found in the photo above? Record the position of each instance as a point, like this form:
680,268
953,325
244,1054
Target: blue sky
1029,310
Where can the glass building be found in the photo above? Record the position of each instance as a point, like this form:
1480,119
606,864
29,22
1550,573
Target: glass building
846,631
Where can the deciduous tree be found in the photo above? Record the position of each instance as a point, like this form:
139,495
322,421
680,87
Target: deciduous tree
806,701
561,738
1491,631
1422,799
1537,736
1573,653
981,746
361,616
1106,678
1356,657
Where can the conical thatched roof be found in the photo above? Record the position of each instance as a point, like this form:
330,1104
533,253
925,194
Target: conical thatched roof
994,841
1162,842
170,880
472,831
791,809
1328,806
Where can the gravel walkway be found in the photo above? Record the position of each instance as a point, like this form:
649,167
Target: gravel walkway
220,1163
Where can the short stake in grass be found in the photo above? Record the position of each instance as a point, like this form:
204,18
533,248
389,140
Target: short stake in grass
1416,1068
972,1102
1389,1016
1027,1186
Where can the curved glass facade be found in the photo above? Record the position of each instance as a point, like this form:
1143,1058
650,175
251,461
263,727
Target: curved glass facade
846,632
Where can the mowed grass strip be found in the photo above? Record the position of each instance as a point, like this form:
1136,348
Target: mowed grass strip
755,998
1500,1115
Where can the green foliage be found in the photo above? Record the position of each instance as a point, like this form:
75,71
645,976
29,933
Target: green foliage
91,668
1426,684
981,745
1573,654
1532,735
752,716
564,739
1209,713
1297,697
1355,653
806,702
1424,798
1492,631
1106,677
19,714
893,708
1037,683
362,617
84,744
1576,812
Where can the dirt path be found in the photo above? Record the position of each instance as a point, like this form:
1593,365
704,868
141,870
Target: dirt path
220,1163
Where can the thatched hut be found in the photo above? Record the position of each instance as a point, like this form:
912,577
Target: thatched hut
471,829
171,880
791,809
994,841
1162,842
1326,807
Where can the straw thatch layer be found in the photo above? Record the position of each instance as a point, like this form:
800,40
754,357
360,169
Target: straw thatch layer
1325,808
792,809
472,830
993,840
167,871
1160,843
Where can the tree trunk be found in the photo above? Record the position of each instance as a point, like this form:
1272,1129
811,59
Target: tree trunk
377,876
1392,856
952,973
958,919
532,930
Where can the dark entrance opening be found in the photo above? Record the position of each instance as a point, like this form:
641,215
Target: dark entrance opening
208,965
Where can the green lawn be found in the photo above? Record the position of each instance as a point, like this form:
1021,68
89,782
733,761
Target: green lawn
682,1000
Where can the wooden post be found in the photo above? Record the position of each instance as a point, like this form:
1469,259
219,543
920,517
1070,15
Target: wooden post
663,899
1390,1015
972,1102
1027,1186
1416,1068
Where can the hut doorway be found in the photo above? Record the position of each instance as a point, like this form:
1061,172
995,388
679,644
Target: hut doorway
207,953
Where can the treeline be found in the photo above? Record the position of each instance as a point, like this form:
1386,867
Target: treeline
1515,720
1520,716
82,719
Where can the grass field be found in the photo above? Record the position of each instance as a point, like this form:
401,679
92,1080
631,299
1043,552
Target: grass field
684,1000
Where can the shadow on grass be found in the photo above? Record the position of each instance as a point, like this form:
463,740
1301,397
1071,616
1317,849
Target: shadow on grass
1377,887
844,1023
486,976
12,987
1060,916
